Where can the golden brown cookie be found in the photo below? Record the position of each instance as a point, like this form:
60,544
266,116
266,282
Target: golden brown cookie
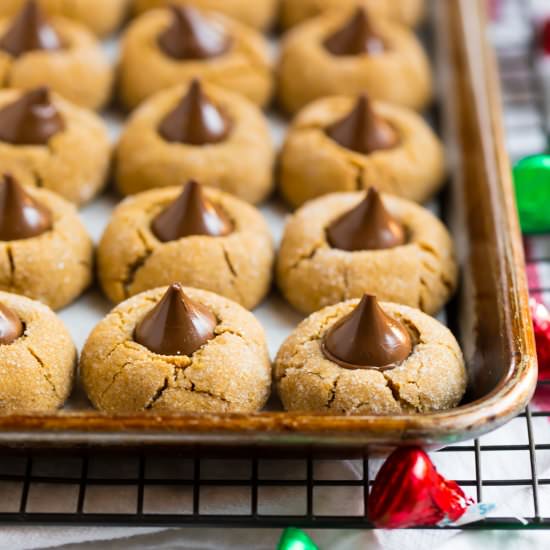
45,251
64,56
166,47
312,273
100,16
431,377
37,356
342,53
236,155
313,163
206,239
48,142
258,14
229,372
407,12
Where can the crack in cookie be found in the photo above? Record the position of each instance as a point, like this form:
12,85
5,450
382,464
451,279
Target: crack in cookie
233,275
333,392
44,369
157,395
137,264
113,380
11,261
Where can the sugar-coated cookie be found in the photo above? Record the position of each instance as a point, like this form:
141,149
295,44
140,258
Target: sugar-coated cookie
256,13
407,12
202,238
338,53
37,356
36,50
348,143
177,350
360,357
166,47
344,245
45,251
199,132
100,16
48,142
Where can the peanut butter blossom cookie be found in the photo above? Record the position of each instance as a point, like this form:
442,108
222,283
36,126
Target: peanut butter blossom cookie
177,350
407,12
47,142
45,252
338,54
166,47
200,237
344,245
197,132
258,13
344,144
37,357
100,16
361,357
37,50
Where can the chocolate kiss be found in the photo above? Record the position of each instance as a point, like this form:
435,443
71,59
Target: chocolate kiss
29,31
368,226
362,130
21,216
192,36
367,337
31,120
191,214
11,326
176,325
196,120
356,37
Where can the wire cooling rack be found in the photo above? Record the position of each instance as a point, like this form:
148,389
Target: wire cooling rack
176,490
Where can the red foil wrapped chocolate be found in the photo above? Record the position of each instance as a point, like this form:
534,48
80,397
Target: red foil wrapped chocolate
545,37
541,327
408,491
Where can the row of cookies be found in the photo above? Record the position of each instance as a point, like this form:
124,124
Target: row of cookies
261,14
104,16
334,248
337,143
185,350
222,140
170,46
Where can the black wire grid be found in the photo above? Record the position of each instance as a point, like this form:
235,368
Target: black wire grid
172,490
175,490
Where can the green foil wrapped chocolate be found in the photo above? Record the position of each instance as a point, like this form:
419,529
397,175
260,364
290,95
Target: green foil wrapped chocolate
295,539
532,183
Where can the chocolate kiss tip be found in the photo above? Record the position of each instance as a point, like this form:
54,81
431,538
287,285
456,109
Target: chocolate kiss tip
192,36
21,216
362,130
355,37
368,226
195,93
195,87
11,326
32,119
176,325
191,214
195,120
40,94
367,338
29,31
